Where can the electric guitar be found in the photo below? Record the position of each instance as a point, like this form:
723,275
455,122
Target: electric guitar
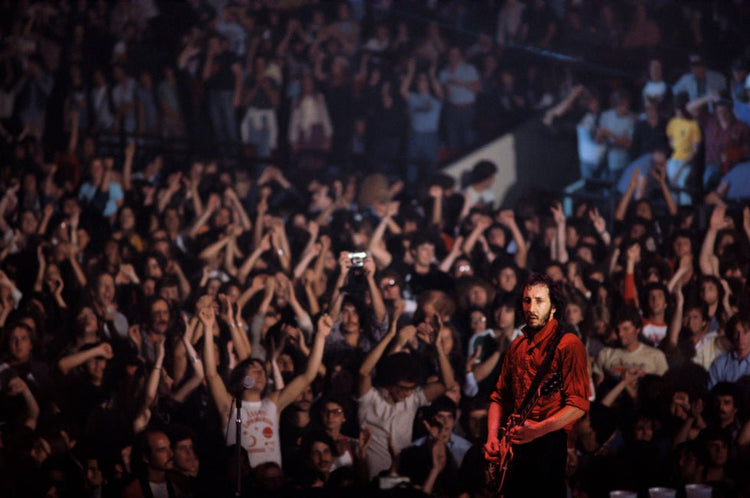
497,468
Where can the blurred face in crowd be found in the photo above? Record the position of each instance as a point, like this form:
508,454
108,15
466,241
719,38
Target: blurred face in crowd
445,336
185,459
321,457
304,400
256,371
741,339
709,292
390,289
401,390
718,452
537,306
505,317
462,268
160,456
478,296
28,223
726,410
657,301
507,279
87,322
628,335
349,318
105,289
20,344
127,218
681,246
573,313
333,417
477,321
424,254
695,322
159,316
643,430
95,368
655,70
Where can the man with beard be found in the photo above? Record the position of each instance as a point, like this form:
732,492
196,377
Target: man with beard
147,337
539,444
155,455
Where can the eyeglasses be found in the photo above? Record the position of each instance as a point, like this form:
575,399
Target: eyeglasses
333,411
389,283
478,319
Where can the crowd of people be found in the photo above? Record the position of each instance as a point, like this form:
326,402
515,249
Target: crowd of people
292,298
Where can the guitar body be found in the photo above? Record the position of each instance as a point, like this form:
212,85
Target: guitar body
497,468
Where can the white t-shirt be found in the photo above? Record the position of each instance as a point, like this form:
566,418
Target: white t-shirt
260,431
386,420
159,489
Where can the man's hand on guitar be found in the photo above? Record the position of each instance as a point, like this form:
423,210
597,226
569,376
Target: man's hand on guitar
525,433
492,448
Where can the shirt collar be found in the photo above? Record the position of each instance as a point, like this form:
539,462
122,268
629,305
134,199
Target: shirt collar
541,336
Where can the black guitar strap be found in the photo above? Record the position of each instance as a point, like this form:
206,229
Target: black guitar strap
543,368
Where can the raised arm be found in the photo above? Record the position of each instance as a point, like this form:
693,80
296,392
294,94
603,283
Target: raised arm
435,389
660,175
287,395
407,79
219,393
144,415
508,219
242,346
675,325
16,386
559,217
622,206
707,260
71,361
364,381
378,305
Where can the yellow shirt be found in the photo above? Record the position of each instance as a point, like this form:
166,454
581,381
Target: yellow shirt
684,136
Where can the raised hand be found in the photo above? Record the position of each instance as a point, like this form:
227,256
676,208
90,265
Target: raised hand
719,219
324,325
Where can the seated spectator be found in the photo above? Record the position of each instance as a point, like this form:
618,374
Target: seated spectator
615,129
727,143
700,81
631,352
684,138
733,364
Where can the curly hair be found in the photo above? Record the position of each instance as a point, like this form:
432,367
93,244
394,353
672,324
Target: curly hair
556,296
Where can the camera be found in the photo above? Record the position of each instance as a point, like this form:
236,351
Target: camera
358,258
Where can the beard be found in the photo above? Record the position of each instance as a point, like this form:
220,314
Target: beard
541,321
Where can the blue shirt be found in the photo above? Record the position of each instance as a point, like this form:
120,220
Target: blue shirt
728,368
88,190
425,112
459,94
457,445
737,181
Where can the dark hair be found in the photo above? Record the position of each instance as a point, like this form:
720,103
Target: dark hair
629,314
726,389
237,375
555,292
742,317
652,287
398,367
441,404
313,437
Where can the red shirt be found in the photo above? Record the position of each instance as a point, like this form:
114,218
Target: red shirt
522,360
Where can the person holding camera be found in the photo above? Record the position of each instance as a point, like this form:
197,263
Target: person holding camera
356,292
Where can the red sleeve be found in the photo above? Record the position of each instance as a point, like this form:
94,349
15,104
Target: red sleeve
629,291
576,386
502,394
